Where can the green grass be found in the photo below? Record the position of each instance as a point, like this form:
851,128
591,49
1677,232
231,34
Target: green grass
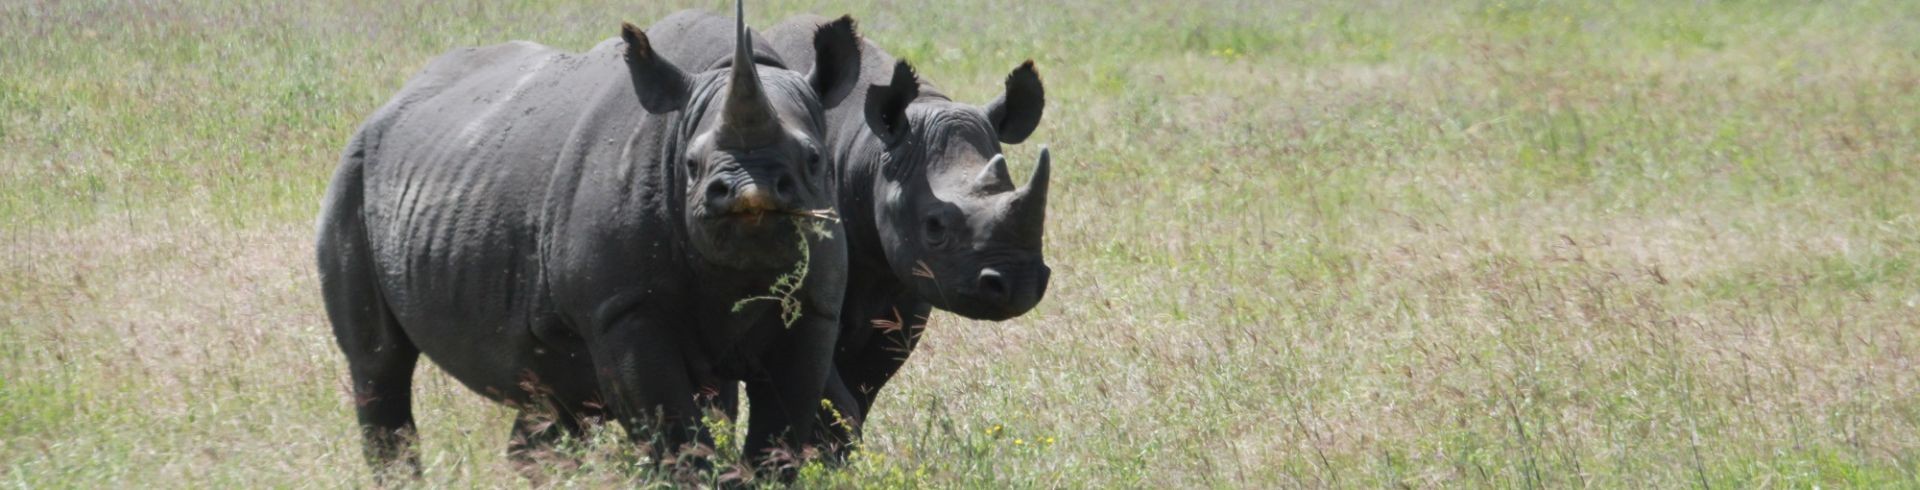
1361,244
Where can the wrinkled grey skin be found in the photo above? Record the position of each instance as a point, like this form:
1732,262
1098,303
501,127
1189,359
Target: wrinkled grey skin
568,234
934,218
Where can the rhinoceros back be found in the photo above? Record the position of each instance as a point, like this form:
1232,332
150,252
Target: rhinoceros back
457,178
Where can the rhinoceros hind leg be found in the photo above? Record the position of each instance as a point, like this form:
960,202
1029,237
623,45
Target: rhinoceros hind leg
383,392
380,357
380,361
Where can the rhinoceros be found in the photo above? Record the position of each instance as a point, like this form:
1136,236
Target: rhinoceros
934,219
581,236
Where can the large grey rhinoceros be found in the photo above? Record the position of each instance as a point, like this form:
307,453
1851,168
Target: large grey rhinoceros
933,216
572,234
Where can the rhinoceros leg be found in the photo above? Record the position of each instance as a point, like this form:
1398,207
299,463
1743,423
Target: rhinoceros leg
383,398
725,400
786,397
862,372
534,437
643,377
383,391
840,421
380,357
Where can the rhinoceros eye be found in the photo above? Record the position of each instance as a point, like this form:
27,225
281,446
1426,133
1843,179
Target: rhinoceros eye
813,163
936,231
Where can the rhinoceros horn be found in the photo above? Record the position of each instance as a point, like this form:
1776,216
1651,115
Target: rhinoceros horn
993,178
1029,204
747,118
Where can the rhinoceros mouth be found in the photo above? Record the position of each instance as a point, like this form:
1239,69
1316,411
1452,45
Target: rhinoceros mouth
749,218
1024,287
756,217
825,214
986,310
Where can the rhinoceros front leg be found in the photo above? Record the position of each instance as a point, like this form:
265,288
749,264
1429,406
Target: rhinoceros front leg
787,394
839,421
644,380
533,441
861,372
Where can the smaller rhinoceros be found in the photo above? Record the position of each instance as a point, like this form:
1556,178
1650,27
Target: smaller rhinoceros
934,218
573,235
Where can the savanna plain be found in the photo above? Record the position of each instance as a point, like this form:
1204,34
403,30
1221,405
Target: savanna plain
1618,244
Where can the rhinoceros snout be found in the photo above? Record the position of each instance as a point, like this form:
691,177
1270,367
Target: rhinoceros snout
752,194
1010,292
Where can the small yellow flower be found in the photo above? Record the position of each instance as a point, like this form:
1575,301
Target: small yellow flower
1049,440
1018,441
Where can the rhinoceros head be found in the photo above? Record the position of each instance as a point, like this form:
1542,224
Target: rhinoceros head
754,162
952,220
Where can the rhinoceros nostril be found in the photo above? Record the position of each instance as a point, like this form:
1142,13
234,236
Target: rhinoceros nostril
992,284
784,186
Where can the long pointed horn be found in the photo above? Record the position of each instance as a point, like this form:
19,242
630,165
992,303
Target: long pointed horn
1030,202
747,114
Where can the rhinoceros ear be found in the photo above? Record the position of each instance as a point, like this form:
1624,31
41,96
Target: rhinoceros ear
887,104
1017,112
661,86
836,67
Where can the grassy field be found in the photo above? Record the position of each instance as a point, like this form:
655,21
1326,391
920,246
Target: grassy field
1490,243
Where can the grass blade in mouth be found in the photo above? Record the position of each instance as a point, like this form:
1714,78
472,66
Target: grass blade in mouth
787,286
825,214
